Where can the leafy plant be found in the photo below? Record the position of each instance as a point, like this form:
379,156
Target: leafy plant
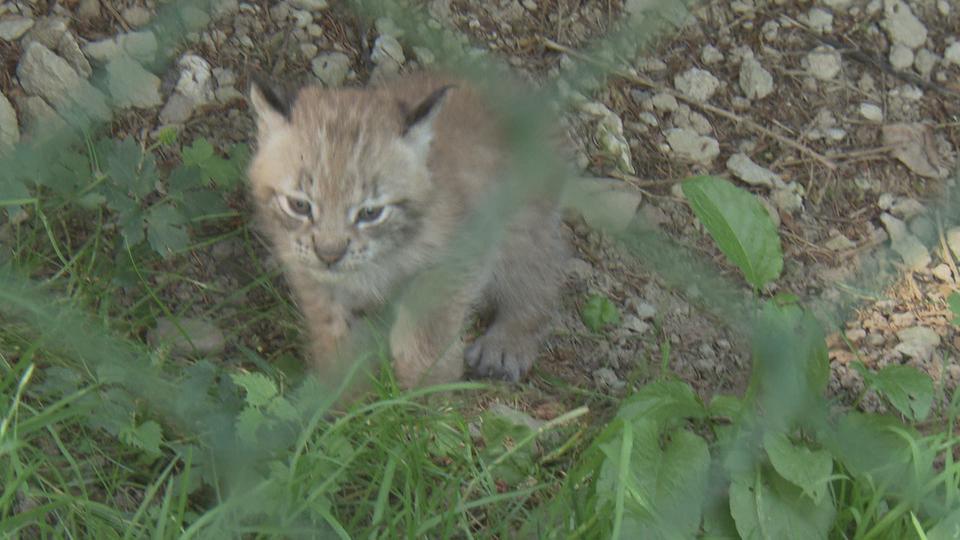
740,226
599,312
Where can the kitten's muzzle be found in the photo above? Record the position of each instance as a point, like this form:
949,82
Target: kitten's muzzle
330,252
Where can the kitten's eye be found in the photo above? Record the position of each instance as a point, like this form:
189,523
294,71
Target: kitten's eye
299,207
369,214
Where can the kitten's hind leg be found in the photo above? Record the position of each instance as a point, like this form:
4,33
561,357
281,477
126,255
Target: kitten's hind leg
523,292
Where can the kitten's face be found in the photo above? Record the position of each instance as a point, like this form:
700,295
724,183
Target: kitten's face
341,179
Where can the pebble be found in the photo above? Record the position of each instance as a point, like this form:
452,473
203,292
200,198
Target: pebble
755,81
745,169
823,63
819,20
187,337
331,68
943,273
141,46
88,10
664,102
911,250
711,55
196,79
9,129
925,61
953,240
43,73
901,56
606,377
310,5
688,144
917,342
605,203
136,16
902,25
952,53
13,28
697,84
871,112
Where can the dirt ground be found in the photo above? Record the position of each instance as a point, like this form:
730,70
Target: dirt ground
851,155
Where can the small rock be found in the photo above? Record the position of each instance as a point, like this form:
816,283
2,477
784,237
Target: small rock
424,55
310,5
88,10
605,204
745,169
645,311
697,84
953,240
664,102
901,57
819,20
187,337
943,273
917,342
178,109
952,53
824,63
141,46
787,200
711,55
903,319
136,16
606,377
839,242
196,79
756,82
688,144
923,228
43,73
331,68
911,250
925,61
906,207
14,27
902,25
871,112
9,128
633,324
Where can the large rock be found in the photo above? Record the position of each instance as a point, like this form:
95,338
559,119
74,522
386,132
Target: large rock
43,73
131,85
902,25
13,28
52,32
9,128
141,46
38,118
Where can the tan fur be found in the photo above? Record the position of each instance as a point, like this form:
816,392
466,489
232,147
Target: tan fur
343,151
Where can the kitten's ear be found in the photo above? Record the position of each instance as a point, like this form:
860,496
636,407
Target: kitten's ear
418,121
271,106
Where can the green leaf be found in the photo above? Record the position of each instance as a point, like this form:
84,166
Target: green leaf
282,409
260,388
740,226
768,507
874,446
201,203
807,469
665,483
953,302
599,312
147,436
164,229
212,168
907,389
662,402
249,421
131,225
947,529
198,153
167,136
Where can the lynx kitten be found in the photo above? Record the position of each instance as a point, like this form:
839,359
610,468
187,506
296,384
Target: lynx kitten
361,190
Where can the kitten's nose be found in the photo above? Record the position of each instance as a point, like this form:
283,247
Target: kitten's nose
330,252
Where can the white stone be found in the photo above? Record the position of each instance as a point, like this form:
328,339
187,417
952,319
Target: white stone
43,73
952,53
141,46
697,84
131,85
911,250
711,55
755,81
819,20
606,204
12,28
901,56
196,79
688,144
745,169
331,68
871,112
387,49
953,240
902,25
824,63
925,60
136,16
664,102
917,342
310,5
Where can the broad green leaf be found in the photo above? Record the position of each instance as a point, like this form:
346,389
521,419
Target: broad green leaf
879,448
13,193
769,507
953,301
282,409
197,153
260,388
740,225
661,402
131,226
599,312
947,529
164,227
909,390
248,422
665,484
182,179
147,436
123,163
200,203
807,469
791,366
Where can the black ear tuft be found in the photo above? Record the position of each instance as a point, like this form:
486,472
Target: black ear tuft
276,98
426,108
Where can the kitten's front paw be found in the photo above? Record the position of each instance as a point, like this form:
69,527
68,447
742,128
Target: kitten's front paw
496,355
